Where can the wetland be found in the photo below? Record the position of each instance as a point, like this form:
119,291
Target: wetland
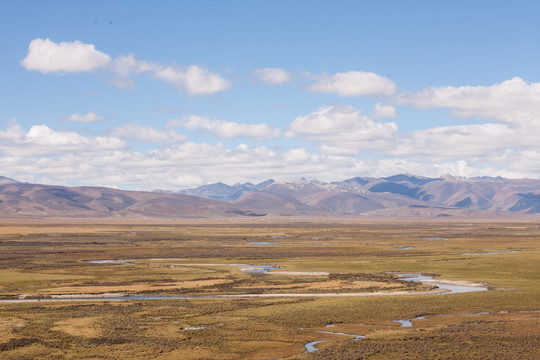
218,290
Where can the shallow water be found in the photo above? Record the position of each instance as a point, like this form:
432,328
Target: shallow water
355,337
195,328
409,322
250,269
256,269
492,253
310,346
425,279
111,262
434,239
404,248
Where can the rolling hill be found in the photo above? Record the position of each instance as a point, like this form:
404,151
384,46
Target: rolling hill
398,195
34,200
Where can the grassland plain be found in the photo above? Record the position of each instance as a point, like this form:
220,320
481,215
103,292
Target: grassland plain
206,259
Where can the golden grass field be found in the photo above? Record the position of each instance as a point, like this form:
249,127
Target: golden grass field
202,259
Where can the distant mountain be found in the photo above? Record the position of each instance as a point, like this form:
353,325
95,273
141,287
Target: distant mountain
6,180
398,195
34,200
222,192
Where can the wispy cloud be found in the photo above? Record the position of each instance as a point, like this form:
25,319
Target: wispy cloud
273,76
90,117
125,65
195,80
353,83
227,129
147,134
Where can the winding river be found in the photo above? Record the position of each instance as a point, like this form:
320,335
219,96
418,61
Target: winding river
447,287
424,279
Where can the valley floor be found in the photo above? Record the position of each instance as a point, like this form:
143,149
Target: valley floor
262,290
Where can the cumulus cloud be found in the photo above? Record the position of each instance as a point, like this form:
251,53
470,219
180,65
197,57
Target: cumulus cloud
384,111
178,166
454,141
343,130
12,133
46,56
353,83
297,155
194,80
466,141
511,101
147,134
51,156
227,129
41,140
86,118
273,76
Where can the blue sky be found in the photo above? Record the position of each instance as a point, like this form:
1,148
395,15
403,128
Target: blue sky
169,95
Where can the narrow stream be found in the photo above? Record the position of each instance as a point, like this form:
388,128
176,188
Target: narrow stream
251,269
310,346
409,322
424,279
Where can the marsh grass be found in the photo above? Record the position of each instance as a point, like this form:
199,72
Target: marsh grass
200,259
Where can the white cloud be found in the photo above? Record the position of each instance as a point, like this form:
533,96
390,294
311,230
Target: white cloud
51,156
511,101
298,155
41,140
12,133
384,111
228,129
343,130
123,82
46,56
86,118
467,141
125,65
353,83
273,76
147,134
194,80
89,161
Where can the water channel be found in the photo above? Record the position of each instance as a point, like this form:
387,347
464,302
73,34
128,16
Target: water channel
424,279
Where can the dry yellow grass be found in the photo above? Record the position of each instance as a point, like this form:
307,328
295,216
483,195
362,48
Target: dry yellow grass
51,258
85,327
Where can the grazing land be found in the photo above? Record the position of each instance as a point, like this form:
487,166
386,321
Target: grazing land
263,290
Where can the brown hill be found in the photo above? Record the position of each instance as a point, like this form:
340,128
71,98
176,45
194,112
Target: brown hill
398,195
33,200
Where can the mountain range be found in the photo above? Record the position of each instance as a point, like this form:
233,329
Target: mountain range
398,195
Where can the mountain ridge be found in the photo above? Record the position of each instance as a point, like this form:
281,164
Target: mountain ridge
447,191
397,195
